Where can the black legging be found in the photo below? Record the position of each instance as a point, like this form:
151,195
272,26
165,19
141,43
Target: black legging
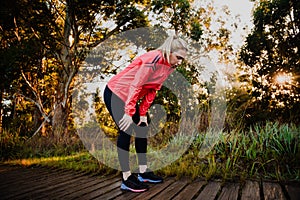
115,107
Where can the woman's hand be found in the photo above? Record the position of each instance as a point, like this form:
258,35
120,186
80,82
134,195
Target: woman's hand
125,122
143,119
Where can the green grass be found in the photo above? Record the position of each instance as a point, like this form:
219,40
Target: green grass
270,151
82,161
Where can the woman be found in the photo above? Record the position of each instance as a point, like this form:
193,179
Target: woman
128,96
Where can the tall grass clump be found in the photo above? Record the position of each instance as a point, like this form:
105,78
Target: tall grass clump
268,151
15,146
11,144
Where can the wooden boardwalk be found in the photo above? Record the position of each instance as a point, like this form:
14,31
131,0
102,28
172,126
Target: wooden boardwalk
43,183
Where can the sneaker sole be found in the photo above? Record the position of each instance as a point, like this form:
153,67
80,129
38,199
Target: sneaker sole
124,187
148,180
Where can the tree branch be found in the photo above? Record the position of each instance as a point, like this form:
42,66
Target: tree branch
112,32
67,86
39,128
38,105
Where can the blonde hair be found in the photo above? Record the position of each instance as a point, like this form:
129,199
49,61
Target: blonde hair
172,44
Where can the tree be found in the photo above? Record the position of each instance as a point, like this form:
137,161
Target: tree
59,34
19,52
271,54
65,30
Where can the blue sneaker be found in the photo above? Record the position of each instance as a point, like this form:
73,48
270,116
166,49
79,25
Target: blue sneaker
149,177
133,184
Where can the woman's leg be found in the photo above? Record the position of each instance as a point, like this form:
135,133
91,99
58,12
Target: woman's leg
141,144
115,107
141,133
145,175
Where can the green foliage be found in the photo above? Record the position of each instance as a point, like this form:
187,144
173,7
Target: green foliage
266,151
239,113
269,151
196,31
14,146
10,143
271,49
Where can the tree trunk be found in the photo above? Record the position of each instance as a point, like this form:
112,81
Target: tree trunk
59,122
36,118
61,106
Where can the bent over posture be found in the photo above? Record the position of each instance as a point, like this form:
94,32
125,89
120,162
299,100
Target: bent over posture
128,96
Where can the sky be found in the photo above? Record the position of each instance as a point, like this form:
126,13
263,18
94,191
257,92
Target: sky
242,8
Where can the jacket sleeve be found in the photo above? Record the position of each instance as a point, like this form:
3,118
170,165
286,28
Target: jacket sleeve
135,88
147,101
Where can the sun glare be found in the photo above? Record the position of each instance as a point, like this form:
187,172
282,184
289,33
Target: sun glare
283,78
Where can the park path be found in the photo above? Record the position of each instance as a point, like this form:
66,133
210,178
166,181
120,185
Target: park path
44,183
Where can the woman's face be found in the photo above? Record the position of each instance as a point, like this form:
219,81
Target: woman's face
177,57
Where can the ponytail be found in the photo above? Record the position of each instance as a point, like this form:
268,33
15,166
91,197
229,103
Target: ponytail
172,44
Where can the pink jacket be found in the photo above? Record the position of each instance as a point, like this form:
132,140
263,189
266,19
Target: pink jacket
140,80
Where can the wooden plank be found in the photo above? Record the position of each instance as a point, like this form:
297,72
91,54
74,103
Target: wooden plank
67,187
210,191
293,191
101,191
27,184
63,188
125,195
112,194
230,191
13,182
250,191
14,172
33,185
172,190
156,189
21,176
190,191
6,168
272,191
26,176
98,186
78,187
